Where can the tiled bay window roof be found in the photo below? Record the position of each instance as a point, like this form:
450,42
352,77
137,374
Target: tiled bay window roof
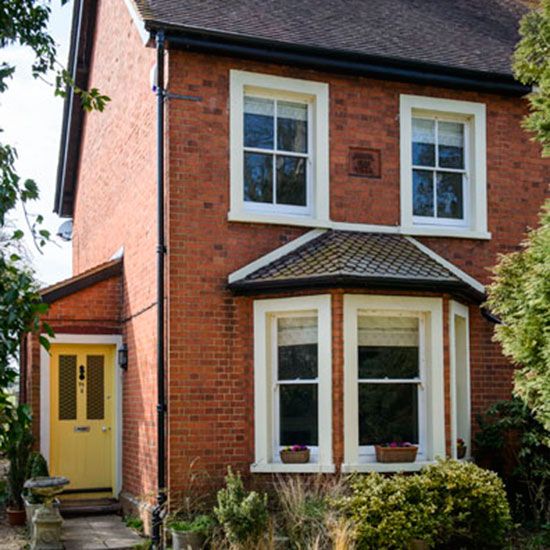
348,258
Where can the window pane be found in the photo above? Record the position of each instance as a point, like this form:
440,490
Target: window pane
67,387
450,201
387,362
451,145
95,388
423,146
258,122
298,414
297,348
423,196
292,126
291,181
258,177
388,347
388,412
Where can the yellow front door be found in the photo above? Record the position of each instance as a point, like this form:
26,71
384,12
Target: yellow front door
82,417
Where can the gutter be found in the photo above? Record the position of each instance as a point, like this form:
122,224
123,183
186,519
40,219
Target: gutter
335,61
456,288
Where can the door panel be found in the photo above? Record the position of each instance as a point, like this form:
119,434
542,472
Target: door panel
82,408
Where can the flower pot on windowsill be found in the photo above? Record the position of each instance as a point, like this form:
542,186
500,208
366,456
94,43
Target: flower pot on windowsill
461,451
396,454
294,455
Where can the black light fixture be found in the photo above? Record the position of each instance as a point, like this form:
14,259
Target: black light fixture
123,357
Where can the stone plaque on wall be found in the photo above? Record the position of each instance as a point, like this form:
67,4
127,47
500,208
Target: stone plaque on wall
364,162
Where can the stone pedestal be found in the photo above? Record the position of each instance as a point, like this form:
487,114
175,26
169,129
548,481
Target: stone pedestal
47,529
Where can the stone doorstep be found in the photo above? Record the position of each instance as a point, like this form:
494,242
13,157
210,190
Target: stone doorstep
98,533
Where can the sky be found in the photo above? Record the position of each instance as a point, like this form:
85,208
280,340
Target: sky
30,117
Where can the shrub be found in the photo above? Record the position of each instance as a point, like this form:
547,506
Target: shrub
516,445
37,466
389,512
242,515
306,514
202,525
447,503
471,504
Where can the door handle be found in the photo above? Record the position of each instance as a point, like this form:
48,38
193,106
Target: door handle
105,428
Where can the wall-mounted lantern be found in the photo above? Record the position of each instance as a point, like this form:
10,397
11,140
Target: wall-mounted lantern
123,357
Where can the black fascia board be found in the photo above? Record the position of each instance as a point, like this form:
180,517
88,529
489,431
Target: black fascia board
82,36
456,288
336,61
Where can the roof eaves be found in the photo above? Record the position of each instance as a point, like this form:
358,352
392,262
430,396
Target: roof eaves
330,60
83,25
457,288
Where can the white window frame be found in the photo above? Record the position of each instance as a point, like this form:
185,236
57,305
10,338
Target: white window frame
266,312
460,408
315,95
432,420
367,452
473,115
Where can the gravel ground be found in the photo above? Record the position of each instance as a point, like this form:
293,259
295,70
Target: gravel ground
12,538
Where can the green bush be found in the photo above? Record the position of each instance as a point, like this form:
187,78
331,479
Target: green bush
202,525
512,442
449,502
389,512
471,504
242,515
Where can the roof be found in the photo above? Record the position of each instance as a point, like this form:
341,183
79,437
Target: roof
350,258
467,34
83,280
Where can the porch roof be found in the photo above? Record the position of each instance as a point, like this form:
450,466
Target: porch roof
96,274
349,258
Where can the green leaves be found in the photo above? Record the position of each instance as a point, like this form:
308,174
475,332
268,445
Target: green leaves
532,66
243,515
520,296
447,503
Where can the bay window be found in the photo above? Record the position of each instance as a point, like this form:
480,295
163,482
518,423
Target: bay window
393,378
391,394
292,382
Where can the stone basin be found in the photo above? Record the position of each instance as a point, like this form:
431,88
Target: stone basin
46,487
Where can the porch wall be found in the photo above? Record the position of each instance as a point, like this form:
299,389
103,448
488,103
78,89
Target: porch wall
93,310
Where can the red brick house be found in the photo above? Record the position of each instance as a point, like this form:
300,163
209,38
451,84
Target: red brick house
339,178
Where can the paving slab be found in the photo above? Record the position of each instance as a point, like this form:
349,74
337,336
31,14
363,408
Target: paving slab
98,533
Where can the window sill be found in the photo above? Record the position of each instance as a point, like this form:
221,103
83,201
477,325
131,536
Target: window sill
310,221
278,219
386,467
279,467
445,231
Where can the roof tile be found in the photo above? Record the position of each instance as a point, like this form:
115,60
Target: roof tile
468,34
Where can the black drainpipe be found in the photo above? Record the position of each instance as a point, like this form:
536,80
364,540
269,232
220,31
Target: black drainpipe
161,253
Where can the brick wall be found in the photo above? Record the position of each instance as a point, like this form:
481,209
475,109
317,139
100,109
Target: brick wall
210,337
116,207
210,381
